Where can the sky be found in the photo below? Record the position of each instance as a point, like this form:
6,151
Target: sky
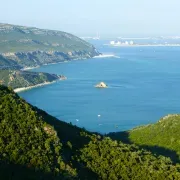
86,18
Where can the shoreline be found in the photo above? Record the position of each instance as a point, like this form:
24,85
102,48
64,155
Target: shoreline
46,83
144,45
29,68
35,86
64,61
105,56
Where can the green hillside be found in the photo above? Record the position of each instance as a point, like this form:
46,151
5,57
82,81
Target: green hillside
114,160
27,140
165,133
29,46
35,145
19,79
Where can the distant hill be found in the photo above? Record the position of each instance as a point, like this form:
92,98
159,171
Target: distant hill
20,79
22,47
29,46
35,145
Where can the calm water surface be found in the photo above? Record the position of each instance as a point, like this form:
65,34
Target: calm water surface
144,85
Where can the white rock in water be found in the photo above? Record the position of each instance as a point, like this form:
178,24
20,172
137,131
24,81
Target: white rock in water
101,85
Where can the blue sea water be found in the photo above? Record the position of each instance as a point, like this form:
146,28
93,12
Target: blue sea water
144,85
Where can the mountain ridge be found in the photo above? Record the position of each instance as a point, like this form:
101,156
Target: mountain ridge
22,47
30,46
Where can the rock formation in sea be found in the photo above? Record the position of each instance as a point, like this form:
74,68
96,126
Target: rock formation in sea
101,85
62,77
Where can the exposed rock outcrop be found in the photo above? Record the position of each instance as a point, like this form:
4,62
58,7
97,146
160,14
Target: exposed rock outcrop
35,47
101,85
62,77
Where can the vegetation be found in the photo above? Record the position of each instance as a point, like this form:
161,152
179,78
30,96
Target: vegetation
114,160
35,145
165,133
18,79
5,63
26,140
28,46
22,47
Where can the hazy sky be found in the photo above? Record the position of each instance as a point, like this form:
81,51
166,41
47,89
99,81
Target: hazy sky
86,17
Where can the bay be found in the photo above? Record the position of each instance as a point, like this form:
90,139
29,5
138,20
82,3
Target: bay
143,86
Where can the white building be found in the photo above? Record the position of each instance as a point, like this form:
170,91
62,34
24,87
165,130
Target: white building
126,43
118,43
112,42
131,42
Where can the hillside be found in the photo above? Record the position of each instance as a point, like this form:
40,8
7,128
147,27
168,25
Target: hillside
165,133
26,140
35,145
6,63
20,79
29,46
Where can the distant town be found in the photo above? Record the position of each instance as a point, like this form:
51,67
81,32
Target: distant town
140,41
118,43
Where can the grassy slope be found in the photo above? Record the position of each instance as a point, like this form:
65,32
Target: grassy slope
161,138
165,133
24,39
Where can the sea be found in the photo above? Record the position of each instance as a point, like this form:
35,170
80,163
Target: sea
143,86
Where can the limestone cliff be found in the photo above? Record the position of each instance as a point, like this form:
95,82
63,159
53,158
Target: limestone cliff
22,46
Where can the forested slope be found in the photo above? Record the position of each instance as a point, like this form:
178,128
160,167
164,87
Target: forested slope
35,145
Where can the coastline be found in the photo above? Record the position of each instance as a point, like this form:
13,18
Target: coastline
35,86
46,83
145,45
106,56
64,61
29,68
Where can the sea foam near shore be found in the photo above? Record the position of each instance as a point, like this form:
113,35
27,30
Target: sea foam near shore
106,56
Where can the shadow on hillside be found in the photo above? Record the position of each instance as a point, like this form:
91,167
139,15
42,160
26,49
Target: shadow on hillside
124,137
162,151
66,131
9,171
120,136
73,134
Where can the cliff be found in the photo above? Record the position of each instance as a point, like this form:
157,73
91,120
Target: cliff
29,46
22,47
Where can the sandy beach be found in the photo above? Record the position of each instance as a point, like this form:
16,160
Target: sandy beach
30,87
29,68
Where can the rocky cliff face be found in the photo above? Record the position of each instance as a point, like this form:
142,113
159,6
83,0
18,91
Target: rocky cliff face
27,46
38,58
